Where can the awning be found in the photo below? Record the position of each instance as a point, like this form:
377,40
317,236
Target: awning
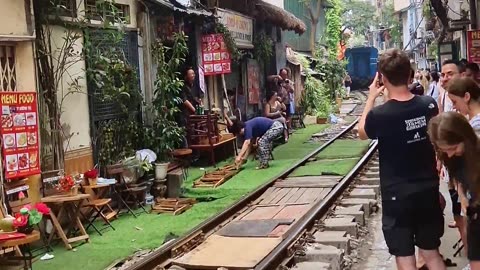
279,17
185,10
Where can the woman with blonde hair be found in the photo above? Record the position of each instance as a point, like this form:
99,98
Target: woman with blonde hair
458,148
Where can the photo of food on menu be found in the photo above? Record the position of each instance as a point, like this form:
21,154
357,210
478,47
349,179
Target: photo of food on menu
19,132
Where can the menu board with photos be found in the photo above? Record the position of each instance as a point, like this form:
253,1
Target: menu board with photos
19,133
215,55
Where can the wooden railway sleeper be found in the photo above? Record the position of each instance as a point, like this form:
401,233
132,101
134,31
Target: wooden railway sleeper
188,244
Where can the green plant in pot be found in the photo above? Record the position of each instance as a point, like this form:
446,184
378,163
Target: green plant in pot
135,169
165,133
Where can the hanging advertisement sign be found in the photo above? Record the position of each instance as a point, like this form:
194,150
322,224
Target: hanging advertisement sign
201,79
239,25
253,82
215,55
473,46
19,133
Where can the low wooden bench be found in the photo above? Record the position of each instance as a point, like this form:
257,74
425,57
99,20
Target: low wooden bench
211,146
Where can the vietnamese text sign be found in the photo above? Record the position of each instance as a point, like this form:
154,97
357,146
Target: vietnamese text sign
473,46
19,132
215,55
253,82
240,26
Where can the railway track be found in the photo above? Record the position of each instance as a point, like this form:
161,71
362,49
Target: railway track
294,221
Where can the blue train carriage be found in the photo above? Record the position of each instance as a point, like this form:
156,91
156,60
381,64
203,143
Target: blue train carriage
362,66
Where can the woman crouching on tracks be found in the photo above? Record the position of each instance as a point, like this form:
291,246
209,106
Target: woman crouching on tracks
265,130
458,147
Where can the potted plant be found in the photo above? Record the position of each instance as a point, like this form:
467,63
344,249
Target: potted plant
91,176
166,134
29,216
135,168
321,117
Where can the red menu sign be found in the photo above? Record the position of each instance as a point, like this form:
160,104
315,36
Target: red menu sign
19,134
215,55
473,46
253,82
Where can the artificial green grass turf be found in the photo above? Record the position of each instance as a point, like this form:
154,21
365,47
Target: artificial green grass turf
326,167
126,239
344,149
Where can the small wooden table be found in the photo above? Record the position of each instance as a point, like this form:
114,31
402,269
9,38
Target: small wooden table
24,244
69,206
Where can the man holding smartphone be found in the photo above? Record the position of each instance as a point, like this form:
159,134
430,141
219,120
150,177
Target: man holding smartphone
412,215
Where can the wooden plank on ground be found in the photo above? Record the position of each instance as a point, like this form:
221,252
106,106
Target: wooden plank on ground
314,178
293,211
310,195
263,212
323,194
229,252
319,184
278,195
288,196
270,196
252,228
279,231
297,195
264,195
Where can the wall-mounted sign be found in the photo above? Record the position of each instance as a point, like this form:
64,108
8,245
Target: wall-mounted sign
473,46
215,55
239,25
253,82
201,79
19,132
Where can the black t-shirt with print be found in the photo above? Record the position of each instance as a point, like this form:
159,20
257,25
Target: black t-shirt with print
407,157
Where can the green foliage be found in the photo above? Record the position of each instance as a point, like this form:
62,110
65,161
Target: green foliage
315,98
333,29
117,139
334,71
263,47
165,134
391,20
235,54
358,16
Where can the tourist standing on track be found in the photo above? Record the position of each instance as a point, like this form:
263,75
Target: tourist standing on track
451,70
458,148
434,88
412,214
465,96
261,128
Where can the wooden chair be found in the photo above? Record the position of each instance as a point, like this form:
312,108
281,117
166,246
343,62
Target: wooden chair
130,192
297,118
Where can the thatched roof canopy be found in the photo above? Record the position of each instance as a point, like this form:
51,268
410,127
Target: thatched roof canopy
279,17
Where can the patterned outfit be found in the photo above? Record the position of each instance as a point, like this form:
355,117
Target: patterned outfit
265,142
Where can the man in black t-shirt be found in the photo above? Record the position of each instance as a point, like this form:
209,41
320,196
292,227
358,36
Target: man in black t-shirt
409,182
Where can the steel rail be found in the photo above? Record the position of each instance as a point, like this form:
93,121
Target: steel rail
165,253
277,255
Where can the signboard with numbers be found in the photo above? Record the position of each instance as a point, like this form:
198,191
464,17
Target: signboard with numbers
473,46
215,55
19,133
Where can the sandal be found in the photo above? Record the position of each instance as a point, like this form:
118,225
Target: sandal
261,167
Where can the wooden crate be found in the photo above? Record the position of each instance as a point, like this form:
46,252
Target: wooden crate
173,206
217,177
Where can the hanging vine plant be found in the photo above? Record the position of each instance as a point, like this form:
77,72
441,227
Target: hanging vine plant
235,53
263,47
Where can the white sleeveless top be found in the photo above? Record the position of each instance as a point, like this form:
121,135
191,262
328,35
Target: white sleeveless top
447,102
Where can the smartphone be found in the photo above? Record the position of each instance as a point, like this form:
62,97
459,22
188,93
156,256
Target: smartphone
380,79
